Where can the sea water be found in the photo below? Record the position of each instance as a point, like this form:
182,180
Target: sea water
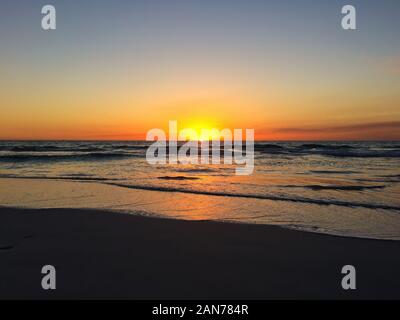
342,188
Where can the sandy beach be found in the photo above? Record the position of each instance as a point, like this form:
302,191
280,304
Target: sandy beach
99,254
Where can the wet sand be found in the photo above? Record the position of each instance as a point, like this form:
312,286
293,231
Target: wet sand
100,255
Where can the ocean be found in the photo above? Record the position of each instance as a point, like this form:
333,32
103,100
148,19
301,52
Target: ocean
339,188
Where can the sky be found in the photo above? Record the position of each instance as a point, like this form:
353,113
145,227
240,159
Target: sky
116,69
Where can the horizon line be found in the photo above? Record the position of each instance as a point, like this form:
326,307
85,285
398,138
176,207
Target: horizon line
144,140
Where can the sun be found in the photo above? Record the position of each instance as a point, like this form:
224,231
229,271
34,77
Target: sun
202,130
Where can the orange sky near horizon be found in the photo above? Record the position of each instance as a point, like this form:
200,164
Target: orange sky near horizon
289,120
113,114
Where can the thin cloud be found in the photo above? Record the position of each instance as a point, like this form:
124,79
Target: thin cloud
345,128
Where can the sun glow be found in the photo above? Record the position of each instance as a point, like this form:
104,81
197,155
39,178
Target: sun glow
201,130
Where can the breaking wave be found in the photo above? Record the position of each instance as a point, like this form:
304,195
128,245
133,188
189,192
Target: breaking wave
260,196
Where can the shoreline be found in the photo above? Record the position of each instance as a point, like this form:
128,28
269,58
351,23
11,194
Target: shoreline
96,195
110,182
102,254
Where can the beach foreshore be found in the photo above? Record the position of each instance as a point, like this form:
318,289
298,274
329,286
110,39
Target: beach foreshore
108,255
